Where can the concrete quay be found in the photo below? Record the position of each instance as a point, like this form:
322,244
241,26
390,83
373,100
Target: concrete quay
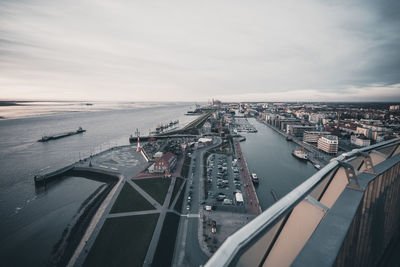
252,203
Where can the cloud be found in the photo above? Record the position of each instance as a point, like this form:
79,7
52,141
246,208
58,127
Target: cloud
372,93
196,50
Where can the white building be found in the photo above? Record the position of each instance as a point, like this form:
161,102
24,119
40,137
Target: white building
360,140
395,107
328,144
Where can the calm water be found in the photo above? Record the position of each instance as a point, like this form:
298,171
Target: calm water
28,238
32,222
269,155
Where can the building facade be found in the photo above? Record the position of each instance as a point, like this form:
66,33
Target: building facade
163,163
329,144
313,136
298,130
360,140
364,131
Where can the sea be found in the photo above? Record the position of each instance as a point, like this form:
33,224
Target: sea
32,221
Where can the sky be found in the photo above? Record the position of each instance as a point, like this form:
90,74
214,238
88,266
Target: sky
197,50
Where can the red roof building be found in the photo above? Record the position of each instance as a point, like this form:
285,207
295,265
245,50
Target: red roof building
164,164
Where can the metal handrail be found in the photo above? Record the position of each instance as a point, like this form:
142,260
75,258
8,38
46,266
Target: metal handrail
232,245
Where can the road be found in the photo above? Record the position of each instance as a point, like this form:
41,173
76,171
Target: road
187,249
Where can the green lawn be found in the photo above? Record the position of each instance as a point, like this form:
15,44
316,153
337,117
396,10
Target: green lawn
166,244
157,188
178,183
179,202
186,166
130,200
122,241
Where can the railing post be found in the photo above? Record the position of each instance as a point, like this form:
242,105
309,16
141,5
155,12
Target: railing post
351,175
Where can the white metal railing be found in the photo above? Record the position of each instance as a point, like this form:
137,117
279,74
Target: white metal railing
237,241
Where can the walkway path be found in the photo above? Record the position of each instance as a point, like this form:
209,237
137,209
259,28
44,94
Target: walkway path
157,231
162,208
102,214
144,194
178,194
132,213
95,222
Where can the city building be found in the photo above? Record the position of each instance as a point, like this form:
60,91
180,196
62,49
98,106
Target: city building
163,163
313,136
316,118
298,130
364,131
206,127
360,140
329,144
283,122
394,107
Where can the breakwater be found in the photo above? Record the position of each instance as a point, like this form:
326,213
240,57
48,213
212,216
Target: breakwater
43,179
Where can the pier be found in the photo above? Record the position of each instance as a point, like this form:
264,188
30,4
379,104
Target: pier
133,139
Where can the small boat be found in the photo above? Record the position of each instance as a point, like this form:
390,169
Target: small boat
317,166
300,154
289,138
254,178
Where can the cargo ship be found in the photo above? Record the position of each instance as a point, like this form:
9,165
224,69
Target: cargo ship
60,135
300,154
254,178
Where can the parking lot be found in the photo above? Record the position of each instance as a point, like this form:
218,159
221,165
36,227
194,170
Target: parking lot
223,181
243,125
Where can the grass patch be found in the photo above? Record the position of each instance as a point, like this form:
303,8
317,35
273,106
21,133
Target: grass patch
122,241
130,200
178,183
179,202
186,166
166,244
157,188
